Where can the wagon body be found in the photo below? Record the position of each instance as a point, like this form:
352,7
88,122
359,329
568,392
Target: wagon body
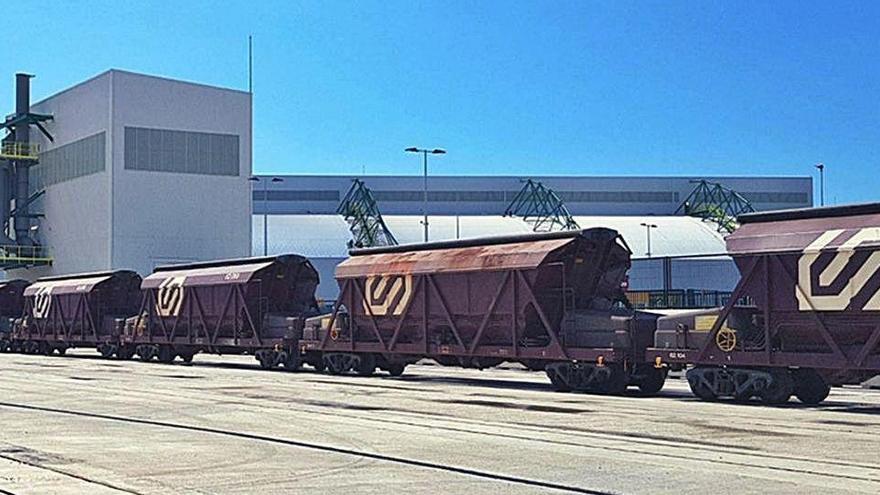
11,307
808,297
231,306
534,299
82,310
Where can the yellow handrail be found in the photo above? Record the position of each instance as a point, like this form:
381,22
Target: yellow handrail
31,255
20,151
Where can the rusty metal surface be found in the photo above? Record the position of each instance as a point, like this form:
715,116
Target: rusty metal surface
514,256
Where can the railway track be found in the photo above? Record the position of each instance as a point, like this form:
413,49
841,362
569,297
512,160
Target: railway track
313,446
279,396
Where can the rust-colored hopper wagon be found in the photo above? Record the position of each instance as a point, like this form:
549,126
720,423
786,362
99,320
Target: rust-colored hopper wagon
11,307
84,310
544,300
805,314
245,306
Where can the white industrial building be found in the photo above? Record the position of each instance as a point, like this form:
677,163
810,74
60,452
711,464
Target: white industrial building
143,171
302,218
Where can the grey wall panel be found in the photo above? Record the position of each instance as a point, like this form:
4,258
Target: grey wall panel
165,150
76,159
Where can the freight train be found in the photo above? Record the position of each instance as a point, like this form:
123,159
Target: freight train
803,317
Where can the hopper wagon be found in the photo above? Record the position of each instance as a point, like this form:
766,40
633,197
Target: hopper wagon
805,314
11,306
544,300
84,310
245,306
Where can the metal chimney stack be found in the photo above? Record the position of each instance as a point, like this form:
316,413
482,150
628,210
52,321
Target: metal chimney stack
22,217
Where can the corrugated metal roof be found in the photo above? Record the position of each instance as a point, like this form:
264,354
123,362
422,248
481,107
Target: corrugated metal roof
674,235
326,236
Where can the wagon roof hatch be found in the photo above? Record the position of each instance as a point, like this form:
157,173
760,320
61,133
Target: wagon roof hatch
488,254
67,285
839,228
208,275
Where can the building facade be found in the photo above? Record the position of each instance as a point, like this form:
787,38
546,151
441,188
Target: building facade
482,195
686,253
143,171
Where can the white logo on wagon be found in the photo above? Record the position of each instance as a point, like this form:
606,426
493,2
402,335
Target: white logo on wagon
808,301
42,302
169,297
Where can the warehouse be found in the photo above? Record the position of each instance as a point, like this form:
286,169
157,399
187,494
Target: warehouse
301,217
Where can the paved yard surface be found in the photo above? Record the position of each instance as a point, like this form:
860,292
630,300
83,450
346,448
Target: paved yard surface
79,424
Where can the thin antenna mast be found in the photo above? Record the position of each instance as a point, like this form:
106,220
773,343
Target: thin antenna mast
250,64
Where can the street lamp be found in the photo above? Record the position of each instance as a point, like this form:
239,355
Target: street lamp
265,209
821,167
648,227
425,152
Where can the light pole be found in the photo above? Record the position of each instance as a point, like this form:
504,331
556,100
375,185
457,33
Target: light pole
648,227
821,167
424,152
265,209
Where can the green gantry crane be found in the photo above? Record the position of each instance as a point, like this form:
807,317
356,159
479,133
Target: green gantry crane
541,208
360,210
713,202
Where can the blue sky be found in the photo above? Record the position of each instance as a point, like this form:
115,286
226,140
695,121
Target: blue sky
521,88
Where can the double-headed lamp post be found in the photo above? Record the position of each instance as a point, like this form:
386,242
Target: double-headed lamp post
265,182
648,227
425,152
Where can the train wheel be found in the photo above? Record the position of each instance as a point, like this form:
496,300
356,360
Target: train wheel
166,354
291,360
616,382
4,345
337,363
187,357
780,388
45,349
62,350
366,365
809,386
145,352
653,381
559,380
267,359
395,369
107,350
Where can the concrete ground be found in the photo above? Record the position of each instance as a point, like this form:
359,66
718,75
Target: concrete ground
84,425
